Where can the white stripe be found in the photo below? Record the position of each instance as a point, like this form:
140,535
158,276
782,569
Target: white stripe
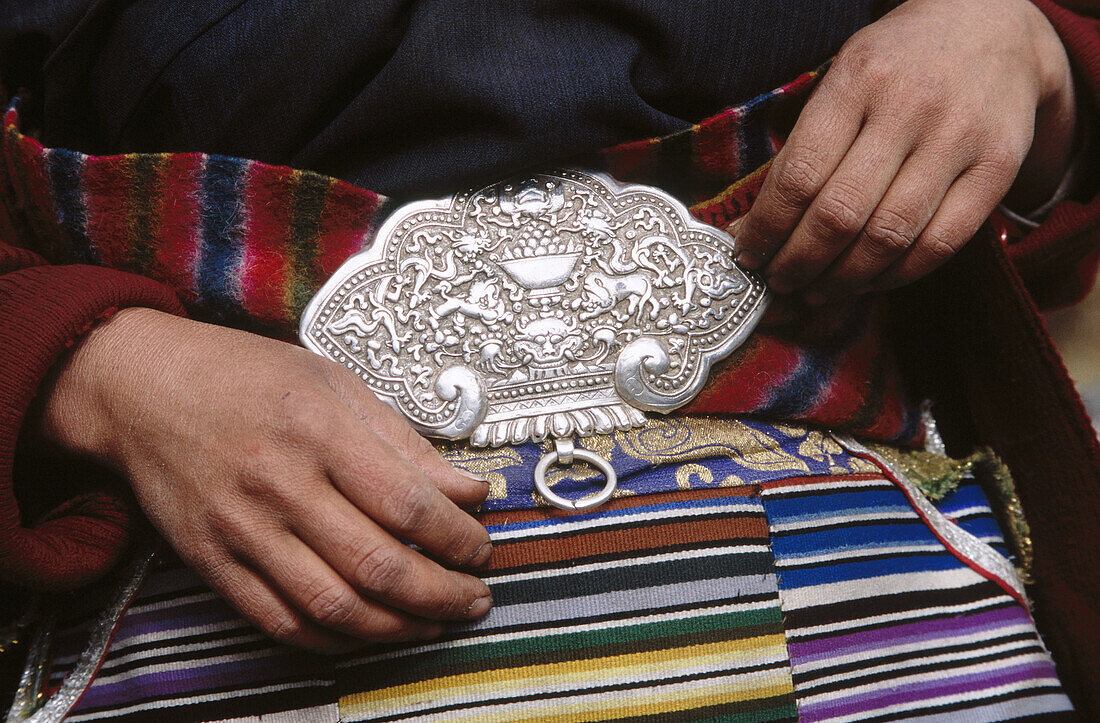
558,528
328,713
835,592
236,624
209,646
139,606
964,511
563,630
839,519
854,553
153,668
196,699
831,486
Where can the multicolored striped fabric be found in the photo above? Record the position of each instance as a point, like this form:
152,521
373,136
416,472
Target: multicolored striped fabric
803,586
657,607
882,621
247,244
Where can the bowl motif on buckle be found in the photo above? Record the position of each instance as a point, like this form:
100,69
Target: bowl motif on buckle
554,304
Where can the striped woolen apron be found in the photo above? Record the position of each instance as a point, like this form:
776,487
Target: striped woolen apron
744,571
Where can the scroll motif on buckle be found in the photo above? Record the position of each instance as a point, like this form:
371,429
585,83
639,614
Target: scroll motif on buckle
549,305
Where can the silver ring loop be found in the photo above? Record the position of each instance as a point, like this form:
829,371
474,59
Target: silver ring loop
584,503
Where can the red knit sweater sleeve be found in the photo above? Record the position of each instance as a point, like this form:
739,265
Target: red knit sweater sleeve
44,310
1058,261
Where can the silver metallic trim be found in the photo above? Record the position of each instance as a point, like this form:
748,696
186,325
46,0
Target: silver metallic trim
30,705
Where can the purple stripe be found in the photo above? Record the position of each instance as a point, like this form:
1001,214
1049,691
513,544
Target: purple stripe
281,666
835,647
926,690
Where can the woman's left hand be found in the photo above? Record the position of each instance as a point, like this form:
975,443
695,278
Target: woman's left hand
920,127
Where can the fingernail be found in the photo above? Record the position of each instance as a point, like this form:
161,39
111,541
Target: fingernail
481,555
815,298
472,475
479,607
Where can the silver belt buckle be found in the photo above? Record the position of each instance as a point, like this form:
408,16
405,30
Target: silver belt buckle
549,305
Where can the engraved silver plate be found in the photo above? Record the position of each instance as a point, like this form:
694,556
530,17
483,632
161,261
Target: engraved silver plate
548,305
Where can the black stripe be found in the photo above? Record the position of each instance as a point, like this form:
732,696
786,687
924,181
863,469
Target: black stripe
305,224
145,187
723,712
865,608
782,493
631,577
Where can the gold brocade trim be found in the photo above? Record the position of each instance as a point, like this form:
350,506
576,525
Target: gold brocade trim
683,441
937,476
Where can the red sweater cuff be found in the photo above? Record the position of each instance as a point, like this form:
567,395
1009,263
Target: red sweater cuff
45,311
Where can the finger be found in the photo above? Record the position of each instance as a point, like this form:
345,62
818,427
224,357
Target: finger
391,426
391,491
964,209
825,130
841,209
261,605
892,229
317,592
380,567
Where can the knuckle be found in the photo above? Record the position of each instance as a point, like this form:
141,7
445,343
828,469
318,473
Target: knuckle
862,60
838,213
308,417
414,510
936,247
888,235
799,178
1001,159
281,625
380,571
331,605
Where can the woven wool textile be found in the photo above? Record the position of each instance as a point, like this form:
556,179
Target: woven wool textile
742,573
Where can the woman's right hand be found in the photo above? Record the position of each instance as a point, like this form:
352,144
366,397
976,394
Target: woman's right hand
278,476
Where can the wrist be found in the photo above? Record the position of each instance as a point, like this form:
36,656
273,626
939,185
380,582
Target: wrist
83,400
